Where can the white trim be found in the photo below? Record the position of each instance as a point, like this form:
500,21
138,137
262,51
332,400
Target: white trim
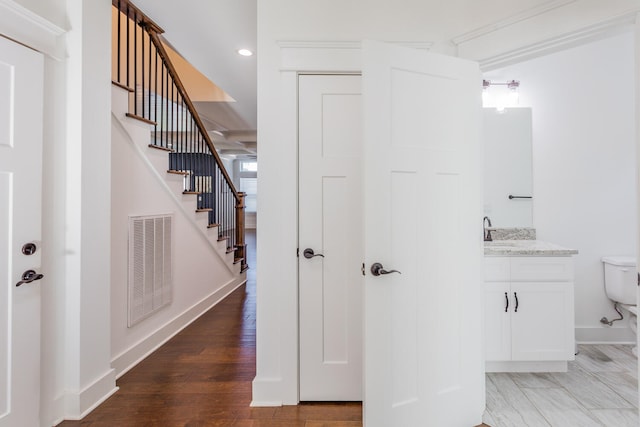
563,41
513,19
263,387
78,405
604,335
516,366
30,29
330,56
130,357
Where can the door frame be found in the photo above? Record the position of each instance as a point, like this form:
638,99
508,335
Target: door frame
276,381
300,248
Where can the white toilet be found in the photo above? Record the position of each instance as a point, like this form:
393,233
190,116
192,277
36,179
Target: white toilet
620,283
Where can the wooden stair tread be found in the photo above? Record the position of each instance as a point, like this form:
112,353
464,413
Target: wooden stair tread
142,119
122,86
229,250
204,210
237,260
157,147
221,238
191,192
213,225
177,172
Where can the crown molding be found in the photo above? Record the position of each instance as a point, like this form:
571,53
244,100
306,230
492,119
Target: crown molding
511,20
320,44
330,56
32,30
566,40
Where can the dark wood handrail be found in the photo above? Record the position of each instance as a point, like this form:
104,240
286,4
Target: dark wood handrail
183,93
153,30
158,97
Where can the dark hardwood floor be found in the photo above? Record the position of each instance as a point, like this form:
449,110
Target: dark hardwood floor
202,377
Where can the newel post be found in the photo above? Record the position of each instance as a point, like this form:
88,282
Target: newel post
241,246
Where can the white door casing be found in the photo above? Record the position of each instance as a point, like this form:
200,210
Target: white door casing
423,350
21,106
330,223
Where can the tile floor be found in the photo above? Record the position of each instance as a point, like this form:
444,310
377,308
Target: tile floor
600,389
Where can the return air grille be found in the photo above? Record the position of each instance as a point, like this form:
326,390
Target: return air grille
150,275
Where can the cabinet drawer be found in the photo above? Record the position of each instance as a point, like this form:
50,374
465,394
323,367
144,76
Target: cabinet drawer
541,269
496,269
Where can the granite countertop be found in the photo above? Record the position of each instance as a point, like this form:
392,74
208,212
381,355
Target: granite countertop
525,248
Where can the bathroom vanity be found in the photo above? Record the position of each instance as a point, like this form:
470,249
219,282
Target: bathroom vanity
529,306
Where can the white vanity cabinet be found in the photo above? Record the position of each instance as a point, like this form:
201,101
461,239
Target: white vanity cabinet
529,313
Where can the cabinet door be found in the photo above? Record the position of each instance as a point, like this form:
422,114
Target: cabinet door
542,321
498,304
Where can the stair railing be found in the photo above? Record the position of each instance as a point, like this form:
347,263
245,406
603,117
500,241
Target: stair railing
158,97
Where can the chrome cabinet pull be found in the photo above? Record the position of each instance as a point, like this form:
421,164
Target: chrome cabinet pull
506,298
515,294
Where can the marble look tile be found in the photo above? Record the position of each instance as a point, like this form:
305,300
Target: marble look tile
590,391
622,383
617,417
621,354
508,404
559,408
594,360
534,380
487,419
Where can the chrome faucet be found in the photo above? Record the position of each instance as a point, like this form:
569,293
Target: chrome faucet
486,223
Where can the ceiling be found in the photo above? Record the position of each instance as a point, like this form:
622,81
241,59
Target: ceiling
208,35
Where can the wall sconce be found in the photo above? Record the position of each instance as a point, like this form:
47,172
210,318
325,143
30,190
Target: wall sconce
501,101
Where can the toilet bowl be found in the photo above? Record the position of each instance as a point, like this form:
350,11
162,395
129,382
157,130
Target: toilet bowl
620,282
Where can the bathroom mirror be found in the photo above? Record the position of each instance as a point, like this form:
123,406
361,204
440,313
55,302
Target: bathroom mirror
508,182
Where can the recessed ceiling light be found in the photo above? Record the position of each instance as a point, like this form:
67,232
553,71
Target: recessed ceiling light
245,52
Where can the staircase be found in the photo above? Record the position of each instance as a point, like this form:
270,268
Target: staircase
153,108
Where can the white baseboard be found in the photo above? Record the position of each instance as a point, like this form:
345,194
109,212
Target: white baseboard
605,335
79,405
129,358
264,391
542,366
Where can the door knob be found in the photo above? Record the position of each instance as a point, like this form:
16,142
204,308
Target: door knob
29,248
29,276
308,253
377,269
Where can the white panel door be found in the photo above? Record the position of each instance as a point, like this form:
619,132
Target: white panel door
330,224
21,82
423,213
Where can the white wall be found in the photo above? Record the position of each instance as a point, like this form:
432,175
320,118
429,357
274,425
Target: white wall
75,351
408,20
201,275
584,170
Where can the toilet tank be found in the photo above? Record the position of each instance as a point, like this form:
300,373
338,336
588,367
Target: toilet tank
620,279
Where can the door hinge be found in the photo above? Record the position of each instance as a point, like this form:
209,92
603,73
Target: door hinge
298,252
362,269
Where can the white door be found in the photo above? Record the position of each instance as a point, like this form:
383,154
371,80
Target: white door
21,82
423,351
330,218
